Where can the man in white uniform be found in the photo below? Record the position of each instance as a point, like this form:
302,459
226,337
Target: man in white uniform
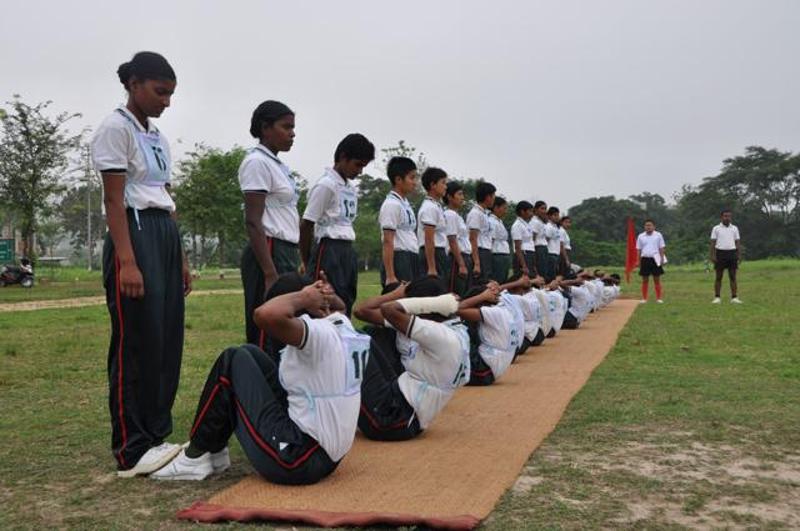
480,232
522,236
432,228
726,253
399,224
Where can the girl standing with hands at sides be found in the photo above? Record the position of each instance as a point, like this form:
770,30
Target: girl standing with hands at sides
145,273
270,210
460,258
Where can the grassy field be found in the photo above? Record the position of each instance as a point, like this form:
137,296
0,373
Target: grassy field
693,420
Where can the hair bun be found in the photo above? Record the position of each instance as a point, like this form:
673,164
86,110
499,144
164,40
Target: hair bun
124,73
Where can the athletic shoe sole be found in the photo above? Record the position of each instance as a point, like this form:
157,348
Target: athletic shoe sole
142,469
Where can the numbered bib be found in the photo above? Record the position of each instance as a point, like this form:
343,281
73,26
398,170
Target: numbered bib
356,349
348,206
155,155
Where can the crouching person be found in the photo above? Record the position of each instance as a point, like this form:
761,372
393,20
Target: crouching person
295,421
400,399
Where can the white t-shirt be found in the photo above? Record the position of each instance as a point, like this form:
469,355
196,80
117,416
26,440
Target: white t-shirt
538,228
396,214
553,238
478,219
726,237
565,238
497,347
581,302
544,309
530,313
332,206
457,226
649,244
557,305
322,378
262,171
122,143
499,236
436,359
431,214
521,231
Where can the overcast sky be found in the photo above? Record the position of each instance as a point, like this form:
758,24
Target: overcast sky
557,100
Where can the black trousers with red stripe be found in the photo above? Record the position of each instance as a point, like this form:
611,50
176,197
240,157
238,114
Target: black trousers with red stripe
286,258
144,357
243,395
339,261
385,413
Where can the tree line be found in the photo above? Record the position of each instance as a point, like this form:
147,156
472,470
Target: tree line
47,188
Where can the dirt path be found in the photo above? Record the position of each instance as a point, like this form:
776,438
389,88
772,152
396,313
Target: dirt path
89,301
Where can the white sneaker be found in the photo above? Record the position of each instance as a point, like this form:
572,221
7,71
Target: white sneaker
152,460
643,301
221,461
716,300
660,301
184,468
736,300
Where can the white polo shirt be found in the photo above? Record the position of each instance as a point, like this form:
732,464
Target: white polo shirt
262,171
322,378
530,314
478,219
431,214
538,228
557,305
116,146
457,226
649,244
497,346
332,206
581,302
553,238
397,215
499,236
725,237
521,231
565,238
544,309
436,361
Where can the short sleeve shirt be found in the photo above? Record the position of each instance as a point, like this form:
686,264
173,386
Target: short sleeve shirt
431,214
457,226
538,226
650,244
397,215
521,231
261,171
332,206
499,236
553,238
116,146
565,238
478,219
495,334
725,237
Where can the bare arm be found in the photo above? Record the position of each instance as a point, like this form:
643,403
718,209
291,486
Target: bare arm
306,236
253,214
455,250
469,309
130,279
187,275
476,259
277,316
369,310
430,249
387,253
520,256
522,282
712,252
738,252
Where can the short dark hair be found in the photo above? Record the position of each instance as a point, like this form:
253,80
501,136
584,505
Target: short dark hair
649,220
726,210
539,204
145,65
552,210
355,146
287,283
499,201
523,205
475,290
399,167
431,176
484,190
452,188
427,286
267,113
565,218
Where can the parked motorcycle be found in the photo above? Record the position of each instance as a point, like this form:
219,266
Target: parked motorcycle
17,274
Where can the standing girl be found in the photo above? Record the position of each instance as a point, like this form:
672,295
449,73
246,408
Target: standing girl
460,259
270,210
501,251
145,273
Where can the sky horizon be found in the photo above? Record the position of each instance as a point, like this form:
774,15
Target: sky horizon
560,102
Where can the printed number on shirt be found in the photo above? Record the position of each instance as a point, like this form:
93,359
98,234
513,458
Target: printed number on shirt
357,364
461,374
349,208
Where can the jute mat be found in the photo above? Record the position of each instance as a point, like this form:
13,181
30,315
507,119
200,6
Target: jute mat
451,476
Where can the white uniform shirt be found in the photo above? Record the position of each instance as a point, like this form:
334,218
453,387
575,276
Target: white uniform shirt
544,309
530,313
497,347
397,215
322,378
431,214
332,206
118,145
436,361
521,231
499,236
565,238
649,244
557,305
726,236
581,302
262,171
538,228
478,219
456,226
553,238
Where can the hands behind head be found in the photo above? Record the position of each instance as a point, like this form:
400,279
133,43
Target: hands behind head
538,281
525,281
491,293
315,299
400,291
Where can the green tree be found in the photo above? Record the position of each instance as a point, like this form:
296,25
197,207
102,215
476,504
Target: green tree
34,153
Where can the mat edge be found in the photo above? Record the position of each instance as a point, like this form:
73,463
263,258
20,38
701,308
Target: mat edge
209,512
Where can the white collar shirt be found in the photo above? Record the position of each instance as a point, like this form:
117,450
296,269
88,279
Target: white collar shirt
332,207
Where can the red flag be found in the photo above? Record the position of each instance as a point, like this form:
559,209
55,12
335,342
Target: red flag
630,252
